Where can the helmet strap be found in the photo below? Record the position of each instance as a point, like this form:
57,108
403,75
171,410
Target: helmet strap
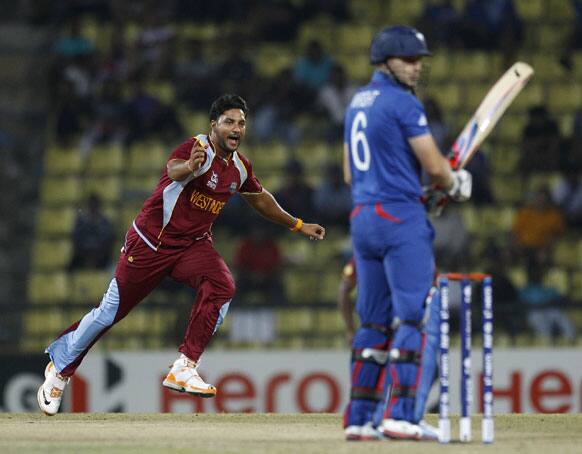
385,68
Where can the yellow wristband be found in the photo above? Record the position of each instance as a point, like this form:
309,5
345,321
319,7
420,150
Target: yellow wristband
297,226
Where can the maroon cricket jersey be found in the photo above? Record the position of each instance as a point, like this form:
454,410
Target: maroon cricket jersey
179,212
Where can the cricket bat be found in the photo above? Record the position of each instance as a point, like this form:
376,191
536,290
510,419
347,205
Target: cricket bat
495,103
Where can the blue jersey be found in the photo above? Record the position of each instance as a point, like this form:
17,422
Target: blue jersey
380,119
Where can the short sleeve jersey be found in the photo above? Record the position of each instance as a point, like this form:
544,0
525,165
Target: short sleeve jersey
380,119
179,212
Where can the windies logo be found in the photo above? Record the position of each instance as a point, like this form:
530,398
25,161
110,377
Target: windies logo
213,181
232,188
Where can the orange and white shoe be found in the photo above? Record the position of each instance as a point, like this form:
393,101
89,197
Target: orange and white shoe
184,377
50,393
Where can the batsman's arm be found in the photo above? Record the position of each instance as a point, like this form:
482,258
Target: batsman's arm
432,161
266,205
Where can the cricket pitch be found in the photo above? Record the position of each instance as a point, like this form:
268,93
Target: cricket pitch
263,433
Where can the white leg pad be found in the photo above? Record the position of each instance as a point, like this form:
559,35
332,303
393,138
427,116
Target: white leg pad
465,429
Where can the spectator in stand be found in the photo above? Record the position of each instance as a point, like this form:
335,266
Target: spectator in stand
547,321
491,25
92,237
196,81
314,68
108,125
436,123
147,116
537,226
540,143
439,22
571,157
73,44
237,73
574,40
258,264
451,240
334,97
479,168
296,192
155,46
332,198
567,195
281,102
72,115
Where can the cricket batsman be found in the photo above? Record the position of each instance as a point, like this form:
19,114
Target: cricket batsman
387,144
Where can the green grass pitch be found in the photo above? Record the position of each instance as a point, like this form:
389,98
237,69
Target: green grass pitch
263,433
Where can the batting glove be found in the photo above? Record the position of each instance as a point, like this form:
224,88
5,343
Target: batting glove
462,186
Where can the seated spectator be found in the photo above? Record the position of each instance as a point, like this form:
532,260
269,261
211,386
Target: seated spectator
439,22
537,226
334,98
282,102
72,43
92,237
438,128
547,321
147,116
313,69
567,195
571,156
479,168
108,124
296,195
155,45
237,73
540,142
491,25
332,198
451,242
258,262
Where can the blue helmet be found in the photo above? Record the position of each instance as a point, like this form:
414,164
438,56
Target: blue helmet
397,41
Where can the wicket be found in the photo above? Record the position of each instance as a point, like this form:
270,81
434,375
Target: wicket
487,428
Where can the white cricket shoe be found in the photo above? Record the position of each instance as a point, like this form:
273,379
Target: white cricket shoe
50,393
366,432
402,430
428,432
184,377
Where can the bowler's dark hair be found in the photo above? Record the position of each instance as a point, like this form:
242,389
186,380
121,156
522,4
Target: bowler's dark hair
227,102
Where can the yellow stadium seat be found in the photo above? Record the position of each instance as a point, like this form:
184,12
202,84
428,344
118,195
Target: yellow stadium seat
530,10
439,66
504,159
38,321
56,221
48,287
354,38
518,276
575,292
546,69
195,122
294,321
566,253
105,159
564,97
270,60
164,91
476,66
540,180
551,37
147,157
510,127
89,286
559,11
58,161
107,188
320,29
558,279
60,190
507,189
405,12
357,66
300,286
447,95
495,220
51,254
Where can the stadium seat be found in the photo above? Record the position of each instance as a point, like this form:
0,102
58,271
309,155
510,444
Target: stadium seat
354,38
504,158
320,29
108,188
564,97
62,190
271,59
510,127
55,221
163,91
476,67
40,321
300,285
147,157
195,122
507,189
575,292
447,95
567,253
51,254
105,160
559,12
540,180
405,12
48,287
89,286
531,95
59,161
558,279
530,10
